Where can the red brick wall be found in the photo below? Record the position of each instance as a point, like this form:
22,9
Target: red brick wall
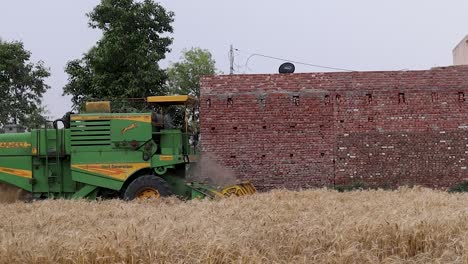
317,129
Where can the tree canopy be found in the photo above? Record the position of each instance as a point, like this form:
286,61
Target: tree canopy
124,62
22,86
184,76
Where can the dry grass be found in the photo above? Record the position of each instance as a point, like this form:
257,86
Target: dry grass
408,225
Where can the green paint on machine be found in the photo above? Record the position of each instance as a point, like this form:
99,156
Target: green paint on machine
101,153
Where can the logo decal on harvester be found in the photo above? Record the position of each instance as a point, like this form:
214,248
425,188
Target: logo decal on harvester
14,145
120,171
130,127
136,118
166,157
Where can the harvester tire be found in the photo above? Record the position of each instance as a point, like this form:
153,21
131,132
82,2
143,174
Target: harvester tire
147,184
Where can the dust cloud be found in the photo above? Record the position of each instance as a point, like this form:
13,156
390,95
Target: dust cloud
10,194
210,172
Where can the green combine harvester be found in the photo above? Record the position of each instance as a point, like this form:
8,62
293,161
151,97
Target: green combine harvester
99,153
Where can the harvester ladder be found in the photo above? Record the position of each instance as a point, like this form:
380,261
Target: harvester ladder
46,161
38,155
52,177
59,145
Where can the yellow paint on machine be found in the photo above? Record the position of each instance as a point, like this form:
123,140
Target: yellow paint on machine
166,157
17,172
138,118
119,171
130,127
172,99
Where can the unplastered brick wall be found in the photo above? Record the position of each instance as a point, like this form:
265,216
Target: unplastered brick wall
385,129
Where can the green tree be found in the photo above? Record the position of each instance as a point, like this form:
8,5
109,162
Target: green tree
124,62
22,86
184,76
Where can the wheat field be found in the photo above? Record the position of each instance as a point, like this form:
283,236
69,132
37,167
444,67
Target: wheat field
316,226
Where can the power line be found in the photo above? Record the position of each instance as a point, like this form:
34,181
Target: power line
282,59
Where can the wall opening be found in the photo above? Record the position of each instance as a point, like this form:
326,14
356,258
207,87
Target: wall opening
401,98
338,99
208,103
295,99
327,99
369,98
230,102
261,101
461,97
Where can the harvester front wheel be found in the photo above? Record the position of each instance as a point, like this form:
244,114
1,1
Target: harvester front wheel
147,187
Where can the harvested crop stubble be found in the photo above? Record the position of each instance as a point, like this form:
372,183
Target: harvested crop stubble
317,226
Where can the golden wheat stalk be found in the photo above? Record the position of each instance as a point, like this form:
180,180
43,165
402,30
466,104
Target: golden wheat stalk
316,226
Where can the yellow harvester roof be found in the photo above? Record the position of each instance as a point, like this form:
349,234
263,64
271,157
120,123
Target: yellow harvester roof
172,100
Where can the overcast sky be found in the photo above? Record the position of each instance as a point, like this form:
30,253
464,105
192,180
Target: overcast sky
356,35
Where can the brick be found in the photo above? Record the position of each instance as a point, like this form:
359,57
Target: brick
318,129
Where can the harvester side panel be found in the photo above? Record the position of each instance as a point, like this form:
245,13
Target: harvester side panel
171,142
16,170
15,160
109,148
57,178
51,163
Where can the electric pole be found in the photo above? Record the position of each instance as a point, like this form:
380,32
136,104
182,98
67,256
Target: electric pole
231,60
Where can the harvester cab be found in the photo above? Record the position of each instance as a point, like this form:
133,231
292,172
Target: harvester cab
101,153
162,120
